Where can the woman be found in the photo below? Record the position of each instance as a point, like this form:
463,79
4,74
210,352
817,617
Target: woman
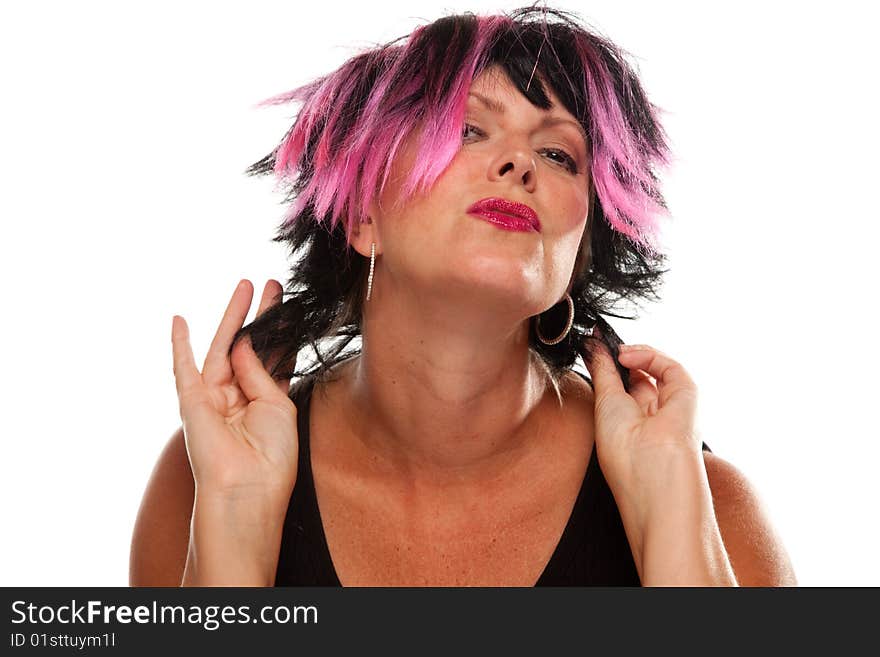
469,202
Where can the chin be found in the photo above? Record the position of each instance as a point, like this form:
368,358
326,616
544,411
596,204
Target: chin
496,281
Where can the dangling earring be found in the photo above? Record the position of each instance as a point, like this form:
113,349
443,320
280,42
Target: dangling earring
560,337
372,267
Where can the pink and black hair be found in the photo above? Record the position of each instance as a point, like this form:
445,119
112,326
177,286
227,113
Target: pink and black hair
336,156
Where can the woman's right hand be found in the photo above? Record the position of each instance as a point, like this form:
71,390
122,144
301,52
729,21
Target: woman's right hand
239,424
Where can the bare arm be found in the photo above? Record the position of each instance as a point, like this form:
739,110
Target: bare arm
162,553
755,549
667,513
239,438
691,519
161,531
705,526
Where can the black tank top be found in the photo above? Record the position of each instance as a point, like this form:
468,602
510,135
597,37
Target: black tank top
593,549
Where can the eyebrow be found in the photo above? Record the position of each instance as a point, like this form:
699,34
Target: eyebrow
498,108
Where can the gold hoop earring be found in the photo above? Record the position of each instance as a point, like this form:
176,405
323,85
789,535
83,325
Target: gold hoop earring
372,267
568,325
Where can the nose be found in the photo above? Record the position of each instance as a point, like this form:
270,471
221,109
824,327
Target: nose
517,165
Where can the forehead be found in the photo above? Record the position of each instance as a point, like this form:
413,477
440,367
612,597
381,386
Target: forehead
494,89
494,84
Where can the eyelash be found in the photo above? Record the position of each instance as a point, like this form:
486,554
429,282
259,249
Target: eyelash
568,161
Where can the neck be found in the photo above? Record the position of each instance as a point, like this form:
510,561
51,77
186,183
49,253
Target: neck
442,392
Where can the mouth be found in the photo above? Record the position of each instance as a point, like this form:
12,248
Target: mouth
506,214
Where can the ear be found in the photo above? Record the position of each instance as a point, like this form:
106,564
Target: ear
363,235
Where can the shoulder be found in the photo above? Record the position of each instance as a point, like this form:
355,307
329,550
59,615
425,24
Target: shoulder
573,388
755,549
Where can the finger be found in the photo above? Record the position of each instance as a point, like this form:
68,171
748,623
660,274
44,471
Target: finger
674,385
217,367
613,405
186,375
643,390
272,295
252,377
603,371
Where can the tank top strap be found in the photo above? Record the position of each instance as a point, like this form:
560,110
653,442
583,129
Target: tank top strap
304,558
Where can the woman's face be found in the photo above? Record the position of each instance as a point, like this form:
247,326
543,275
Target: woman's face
510,150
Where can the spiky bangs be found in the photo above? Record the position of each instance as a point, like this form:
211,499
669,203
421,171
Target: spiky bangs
337,156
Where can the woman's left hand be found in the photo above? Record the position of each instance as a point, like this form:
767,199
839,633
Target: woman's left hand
650,456
637,432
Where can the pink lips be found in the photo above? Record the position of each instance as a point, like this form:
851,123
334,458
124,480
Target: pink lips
506,214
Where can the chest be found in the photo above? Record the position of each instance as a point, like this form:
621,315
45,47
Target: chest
380,532
504,535
378,547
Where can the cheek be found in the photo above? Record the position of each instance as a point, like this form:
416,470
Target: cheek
461,177
562,244
570,210
450,194
401,167
564,250
574,204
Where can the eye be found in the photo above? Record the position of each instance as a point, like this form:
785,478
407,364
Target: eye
470,128
556,155
561,157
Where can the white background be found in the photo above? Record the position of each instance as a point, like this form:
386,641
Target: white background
125,132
